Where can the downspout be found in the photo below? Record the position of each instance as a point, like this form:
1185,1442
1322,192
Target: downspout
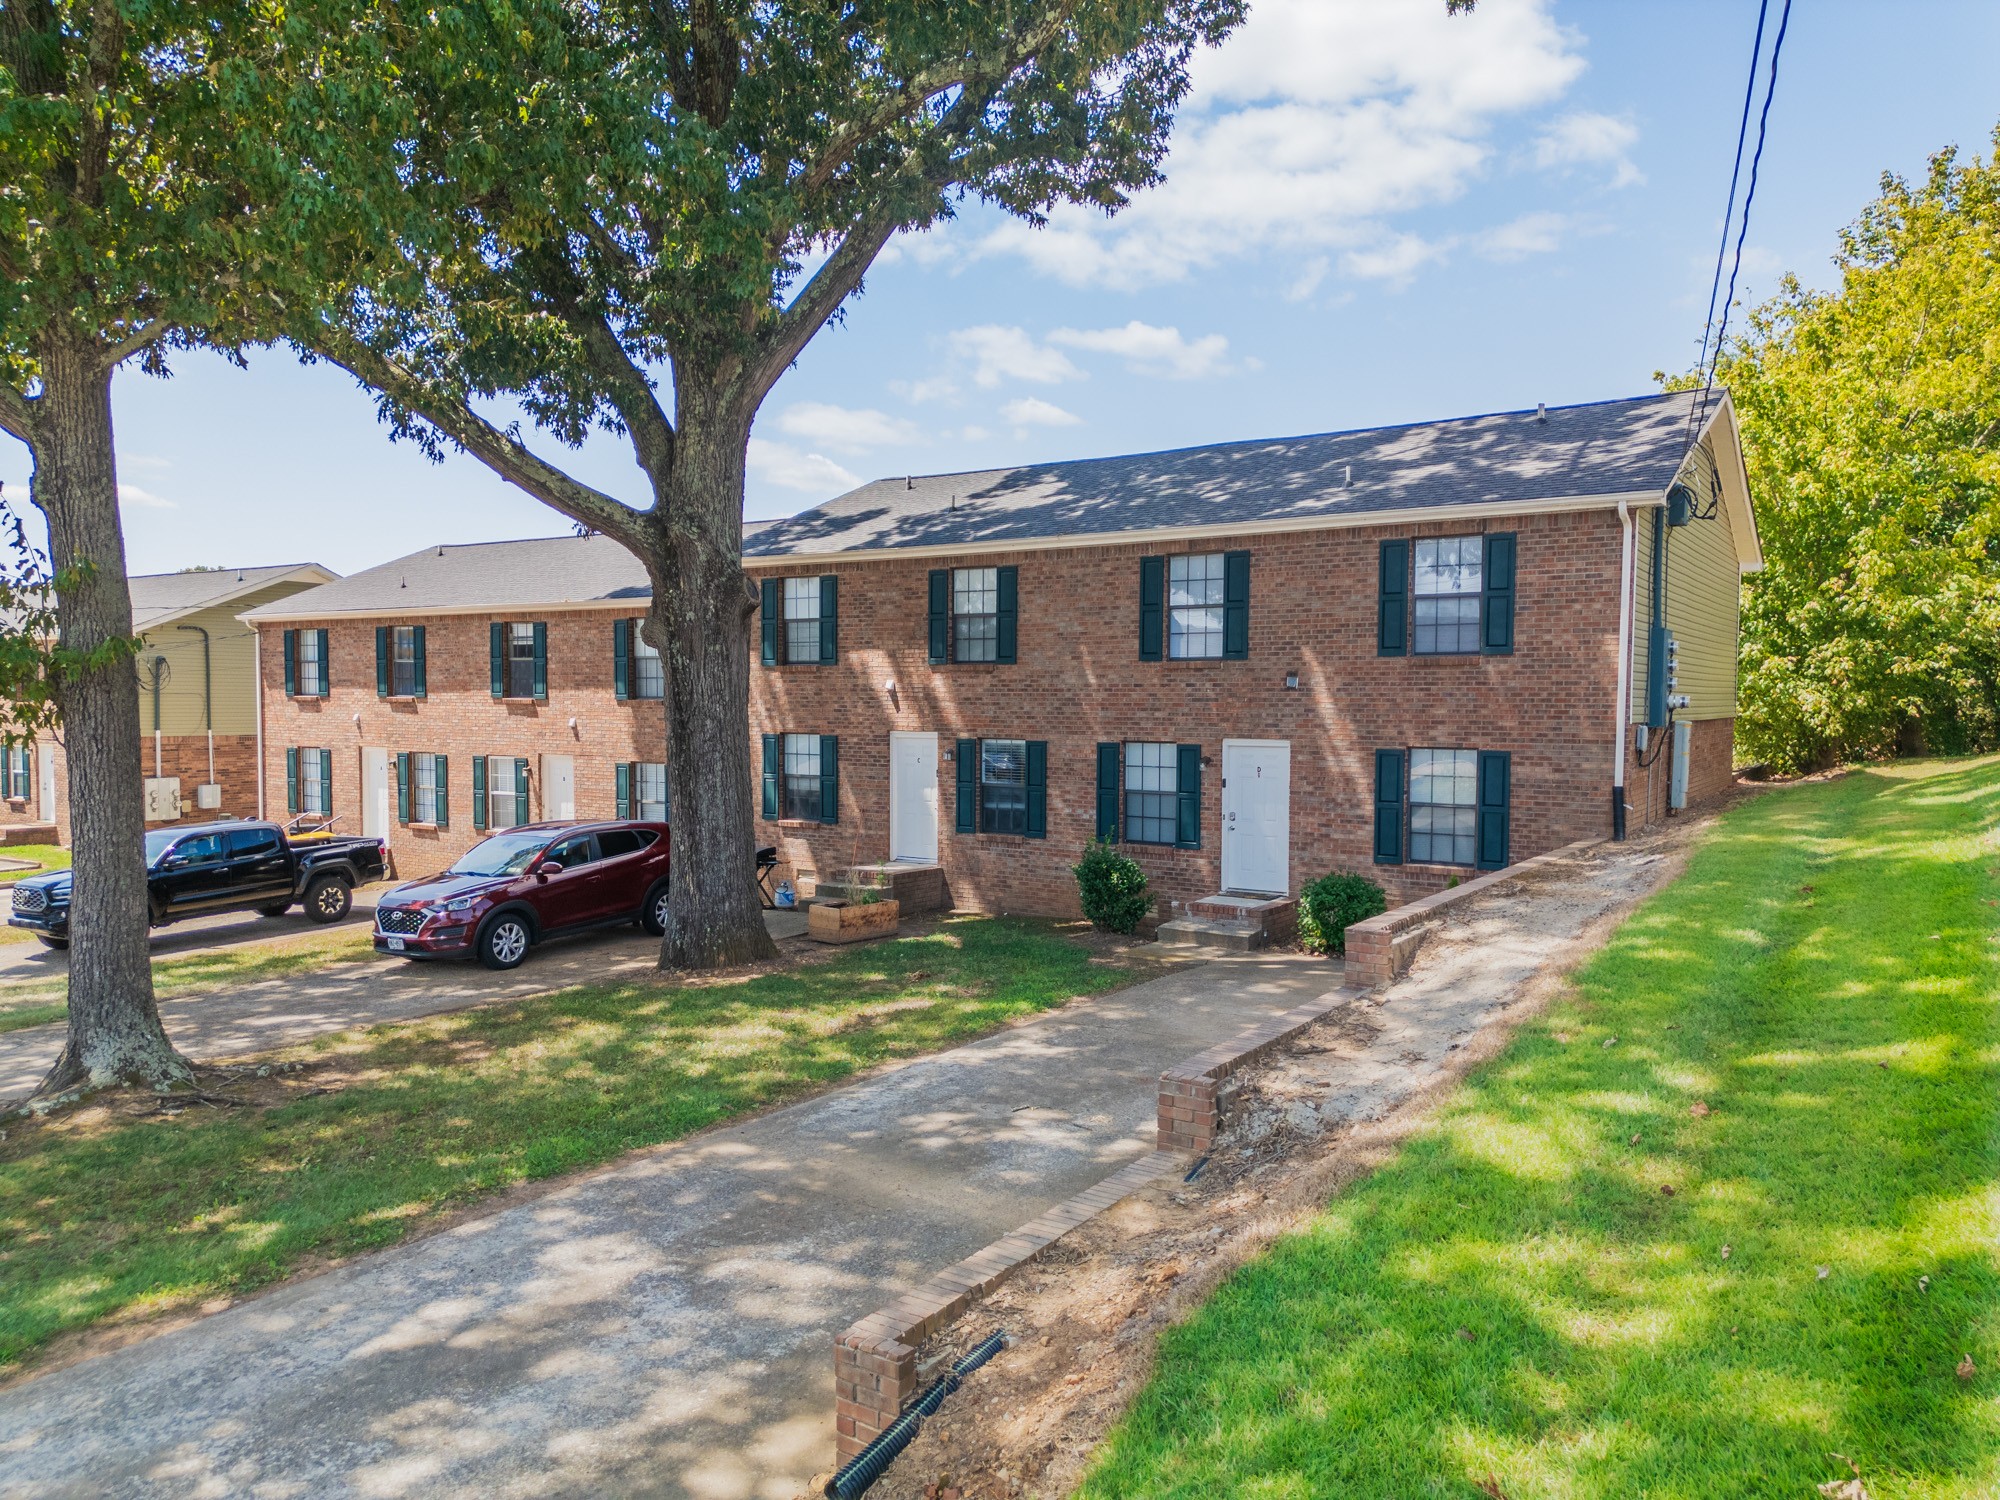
257,676
1624,711
159,672
207,699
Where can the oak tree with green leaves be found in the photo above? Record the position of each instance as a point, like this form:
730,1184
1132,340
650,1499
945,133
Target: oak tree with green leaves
142,209
634,216
1871,422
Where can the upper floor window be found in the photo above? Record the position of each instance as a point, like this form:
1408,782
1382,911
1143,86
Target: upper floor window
801,619
519,653
403,659
975,614
1449,584
520,661
305,663
649,672
1194,605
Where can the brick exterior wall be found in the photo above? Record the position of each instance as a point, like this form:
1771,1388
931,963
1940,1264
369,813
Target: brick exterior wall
1711,772
1078,681
459,718
186,756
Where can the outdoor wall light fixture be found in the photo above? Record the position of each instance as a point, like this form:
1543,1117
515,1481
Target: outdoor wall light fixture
1292,682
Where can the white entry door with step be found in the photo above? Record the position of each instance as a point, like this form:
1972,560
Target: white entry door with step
913,797
374,793
1257,816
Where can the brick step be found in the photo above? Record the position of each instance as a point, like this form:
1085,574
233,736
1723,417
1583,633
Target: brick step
1233,936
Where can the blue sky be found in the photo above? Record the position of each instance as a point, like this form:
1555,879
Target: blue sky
1373,214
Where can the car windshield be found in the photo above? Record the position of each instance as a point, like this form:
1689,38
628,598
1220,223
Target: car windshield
159,842
503,854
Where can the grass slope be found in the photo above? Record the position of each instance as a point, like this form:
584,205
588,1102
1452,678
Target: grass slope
108,1215
1516,1308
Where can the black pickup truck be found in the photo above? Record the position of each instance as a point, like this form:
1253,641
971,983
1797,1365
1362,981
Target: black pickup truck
208,868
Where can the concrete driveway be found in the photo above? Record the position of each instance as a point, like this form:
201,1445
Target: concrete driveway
662,1327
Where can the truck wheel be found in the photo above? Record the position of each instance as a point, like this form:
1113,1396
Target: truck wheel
328,899
503,942
274,911
654,916
52,942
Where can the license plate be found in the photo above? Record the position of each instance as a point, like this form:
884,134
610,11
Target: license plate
395,944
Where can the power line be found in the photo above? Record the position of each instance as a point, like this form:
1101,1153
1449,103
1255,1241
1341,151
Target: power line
1735,173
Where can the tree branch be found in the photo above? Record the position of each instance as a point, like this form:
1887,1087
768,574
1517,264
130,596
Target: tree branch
837,277
113,354
649,427
499,451
17,414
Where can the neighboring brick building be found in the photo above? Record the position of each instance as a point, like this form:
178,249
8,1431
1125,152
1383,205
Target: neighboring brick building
197,684
1395,650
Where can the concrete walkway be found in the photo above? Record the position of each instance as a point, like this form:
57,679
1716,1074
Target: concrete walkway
659,1328
261,1017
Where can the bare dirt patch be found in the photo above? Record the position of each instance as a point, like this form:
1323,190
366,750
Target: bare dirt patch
1085,1319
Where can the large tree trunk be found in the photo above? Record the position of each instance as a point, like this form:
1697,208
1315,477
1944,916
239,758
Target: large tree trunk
701,621
114,1024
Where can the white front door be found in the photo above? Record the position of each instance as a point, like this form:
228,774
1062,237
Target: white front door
559,787
45,760
1257,816
913,797
374,794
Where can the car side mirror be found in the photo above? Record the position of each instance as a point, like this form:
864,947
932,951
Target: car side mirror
173,861
547,868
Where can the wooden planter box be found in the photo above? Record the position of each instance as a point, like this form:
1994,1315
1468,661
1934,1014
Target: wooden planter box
846,922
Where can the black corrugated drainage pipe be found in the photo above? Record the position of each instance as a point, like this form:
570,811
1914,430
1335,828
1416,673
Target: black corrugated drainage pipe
873,1461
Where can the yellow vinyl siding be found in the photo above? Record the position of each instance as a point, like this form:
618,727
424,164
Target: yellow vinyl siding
1704,596
233,664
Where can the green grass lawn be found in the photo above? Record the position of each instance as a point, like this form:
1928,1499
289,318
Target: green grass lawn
103,1214
35,1002
1516,1296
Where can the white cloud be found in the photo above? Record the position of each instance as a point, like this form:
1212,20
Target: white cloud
789,468
846,429
1394,258
1312,125
1531,234
1148,350
998,354
1032,411
131,494
1585,139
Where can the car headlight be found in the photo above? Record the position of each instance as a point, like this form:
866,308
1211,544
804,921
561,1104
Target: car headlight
450,908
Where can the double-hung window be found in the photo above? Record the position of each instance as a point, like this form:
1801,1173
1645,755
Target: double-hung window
975,614
305,663
520,660
1195,598
649,673
423,788
315,795
20,778
402,661
802,614
649,791
1449,581
801,784
1003,786
421,785
1444,806
505,807
799,620
1151,793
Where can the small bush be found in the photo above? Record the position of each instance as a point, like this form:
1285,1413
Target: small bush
1112,888
1332,904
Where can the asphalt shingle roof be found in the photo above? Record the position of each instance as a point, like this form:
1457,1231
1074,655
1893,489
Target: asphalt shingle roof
1606,447
161,596
555,570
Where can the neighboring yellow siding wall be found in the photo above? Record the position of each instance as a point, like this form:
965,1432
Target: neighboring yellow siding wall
1704,598
232,664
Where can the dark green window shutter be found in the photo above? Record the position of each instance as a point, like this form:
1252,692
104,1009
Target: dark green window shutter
1152,607
624,775
940,617
325,667
829,619
1107,791
1235,605
621,658
1496,608
496,653
1388,807
1009,608
479,791
968,786
767,620
402,786
1495,772
291,662
541,685
521,787
291,781
326,776
1038,789
422,662
829,778
381,661
1187,797
1392,600
770,776
444,786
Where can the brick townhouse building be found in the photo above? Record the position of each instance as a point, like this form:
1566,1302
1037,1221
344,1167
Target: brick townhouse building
1414,651
198,703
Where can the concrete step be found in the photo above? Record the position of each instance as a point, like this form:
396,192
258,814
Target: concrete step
1227,934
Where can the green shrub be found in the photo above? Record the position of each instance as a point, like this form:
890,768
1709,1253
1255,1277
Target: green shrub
1112,888
1333,903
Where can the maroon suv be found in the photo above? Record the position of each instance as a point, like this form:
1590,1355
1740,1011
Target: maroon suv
510,891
